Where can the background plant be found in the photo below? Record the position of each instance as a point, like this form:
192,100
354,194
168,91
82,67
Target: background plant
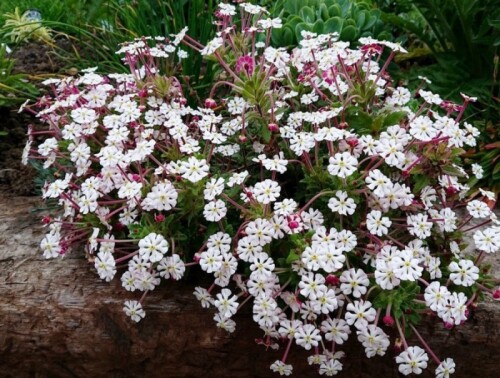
350,19
455,45
15,88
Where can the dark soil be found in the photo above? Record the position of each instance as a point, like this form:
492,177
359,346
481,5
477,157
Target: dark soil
38,60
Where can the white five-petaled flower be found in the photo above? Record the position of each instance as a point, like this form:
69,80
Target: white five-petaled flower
215,210
464,272
360,313
266,191
377,224
342,204
478,209
153,247
445,368
342,164
307,336
354,282
134,310
226,303
412,360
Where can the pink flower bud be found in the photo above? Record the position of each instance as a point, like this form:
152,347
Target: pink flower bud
293,224
496,294
159,218
449,325
352,142
274,128
143,93
332,280
388,320
210,103
135,177
398,346
46,219
242,138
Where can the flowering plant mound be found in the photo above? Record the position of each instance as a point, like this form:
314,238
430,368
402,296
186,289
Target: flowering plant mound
309,185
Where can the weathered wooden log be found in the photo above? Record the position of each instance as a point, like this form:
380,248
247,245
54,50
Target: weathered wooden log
57,319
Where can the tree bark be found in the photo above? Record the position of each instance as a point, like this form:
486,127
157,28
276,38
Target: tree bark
58,319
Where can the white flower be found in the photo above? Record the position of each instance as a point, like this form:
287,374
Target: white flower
487,240
193,169
406,266
203,296
105,265
354,282
445,368
50,246
423,129
307,336
419,226
211,260
224,323
226,304
342,204
227,9
436,295
336,330
342,164
270,23
330,367
281,368
377,224
360,313
171,267
163,196
478,209
478,171
134,310
260,231
212,46
153,247
266,191
463,273
412,360
311,285
214,211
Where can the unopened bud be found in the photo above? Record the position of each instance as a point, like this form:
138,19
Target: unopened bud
159,218
332,280
273,127
496,294
210,103
449,325
388,320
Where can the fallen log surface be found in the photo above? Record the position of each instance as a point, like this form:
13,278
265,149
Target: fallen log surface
58,319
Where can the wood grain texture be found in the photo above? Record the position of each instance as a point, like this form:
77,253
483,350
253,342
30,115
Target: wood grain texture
58,319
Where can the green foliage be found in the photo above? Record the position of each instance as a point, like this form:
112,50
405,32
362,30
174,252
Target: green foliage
350,19
68,11
14,88
455,45
18,28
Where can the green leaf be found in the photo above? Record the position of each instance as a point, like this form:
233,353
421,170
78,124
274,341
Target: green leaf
334,10
349,33
318,27
333,25
394,118
307,14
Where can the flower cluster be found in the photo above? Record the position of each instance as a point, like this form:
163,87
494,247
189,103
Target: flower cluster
312,187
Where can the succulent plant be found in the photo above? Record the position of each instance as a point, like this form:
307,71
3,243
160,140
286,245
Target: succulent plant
350,19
